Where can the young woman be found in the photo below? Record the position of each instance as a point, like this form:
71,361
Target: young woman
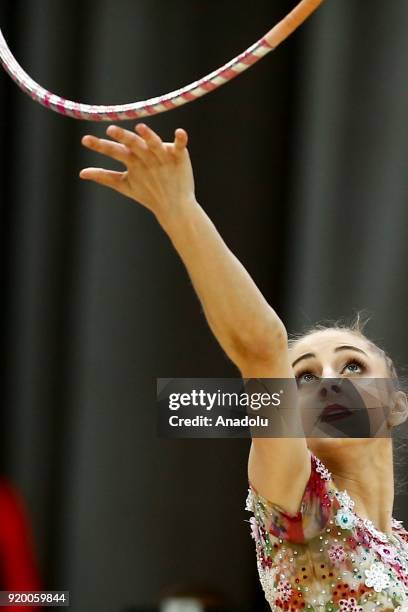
318,548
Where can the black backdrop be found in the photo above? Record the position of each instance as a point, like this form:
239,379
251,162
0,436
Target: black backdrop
300,163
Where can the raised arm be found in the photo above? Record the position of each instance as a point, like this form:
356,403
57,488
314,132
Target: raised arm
159,176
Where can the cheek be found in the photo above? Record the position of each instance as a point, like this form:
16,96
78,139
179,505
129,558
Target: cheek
375,392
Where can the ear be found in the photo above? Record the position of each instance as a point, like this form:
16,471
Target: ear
399,411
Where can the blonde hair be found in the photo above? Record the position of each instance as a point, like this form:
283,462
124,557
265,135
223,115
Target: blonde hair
356,326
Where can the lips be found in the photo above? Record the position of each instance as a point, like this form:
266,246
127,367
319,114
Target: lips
334,412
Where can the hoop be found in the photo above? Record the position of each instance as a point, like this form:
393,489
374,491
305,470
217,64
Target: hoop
169,101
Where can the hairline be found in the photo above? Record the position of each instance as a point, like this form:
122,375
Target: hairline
372,346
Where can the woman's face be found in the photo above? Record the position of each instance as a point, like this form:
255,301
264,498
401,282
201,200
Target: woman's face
345,390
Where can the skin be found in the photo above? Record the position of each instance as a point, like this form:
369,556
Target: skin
363,466
159,176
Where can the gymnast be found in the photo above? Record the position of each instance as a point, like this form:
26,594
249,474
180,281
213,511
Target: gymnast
328,540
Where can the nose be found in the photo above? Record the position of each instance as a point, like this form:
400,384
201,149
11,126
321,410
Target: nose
328,385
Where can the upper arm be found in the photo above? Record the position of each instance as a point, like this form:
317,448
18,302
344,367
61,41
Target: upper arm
279,468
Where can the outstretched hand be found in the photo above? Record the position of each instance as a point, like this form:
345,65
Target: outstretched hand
158,174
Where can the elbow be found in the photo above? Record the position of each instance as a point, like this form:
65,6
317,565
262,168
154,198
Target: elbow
273,342
264,345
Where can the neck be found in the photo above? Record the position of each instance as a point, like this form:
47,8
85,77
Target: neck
366,471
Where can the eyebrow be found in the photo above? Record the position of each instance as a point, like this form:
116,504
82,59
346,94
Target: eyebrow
343,347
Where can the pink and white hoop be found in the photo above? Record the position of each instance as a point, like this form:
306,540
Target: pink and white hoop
168,101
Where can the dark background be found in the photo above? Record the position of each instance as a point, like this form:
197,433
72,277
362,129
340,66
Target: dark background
301,163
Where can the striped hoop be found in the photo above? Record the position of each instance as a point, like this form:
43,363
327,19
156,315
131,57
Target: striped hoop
168,101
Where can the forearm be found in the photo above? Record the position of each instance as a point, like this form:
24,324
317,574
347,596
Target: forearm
238,314
160,177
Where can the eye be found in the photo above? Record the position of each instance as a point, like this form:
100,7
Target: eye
355,362
354,366
302,377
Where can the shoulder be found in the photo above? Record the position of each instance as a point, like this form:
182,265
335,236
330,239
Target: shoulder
279,469
315,509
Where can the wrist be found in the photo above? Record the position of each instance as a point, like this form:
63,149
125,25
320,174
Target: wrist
171,216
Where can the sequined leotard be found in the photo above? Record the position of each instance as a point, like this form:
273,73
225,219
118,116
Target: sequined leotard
325,557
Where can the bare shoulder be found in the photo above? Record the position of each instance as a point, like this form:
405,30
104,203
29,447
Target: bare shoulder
278,468
281,477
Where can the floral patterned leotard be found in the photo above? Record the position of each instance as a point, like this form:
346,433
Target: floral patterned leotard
325,557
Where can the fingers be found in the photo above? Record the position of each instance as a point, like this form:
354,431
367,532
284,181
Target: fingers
147,146
146,142
153,140
180,139
109,178
107,147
